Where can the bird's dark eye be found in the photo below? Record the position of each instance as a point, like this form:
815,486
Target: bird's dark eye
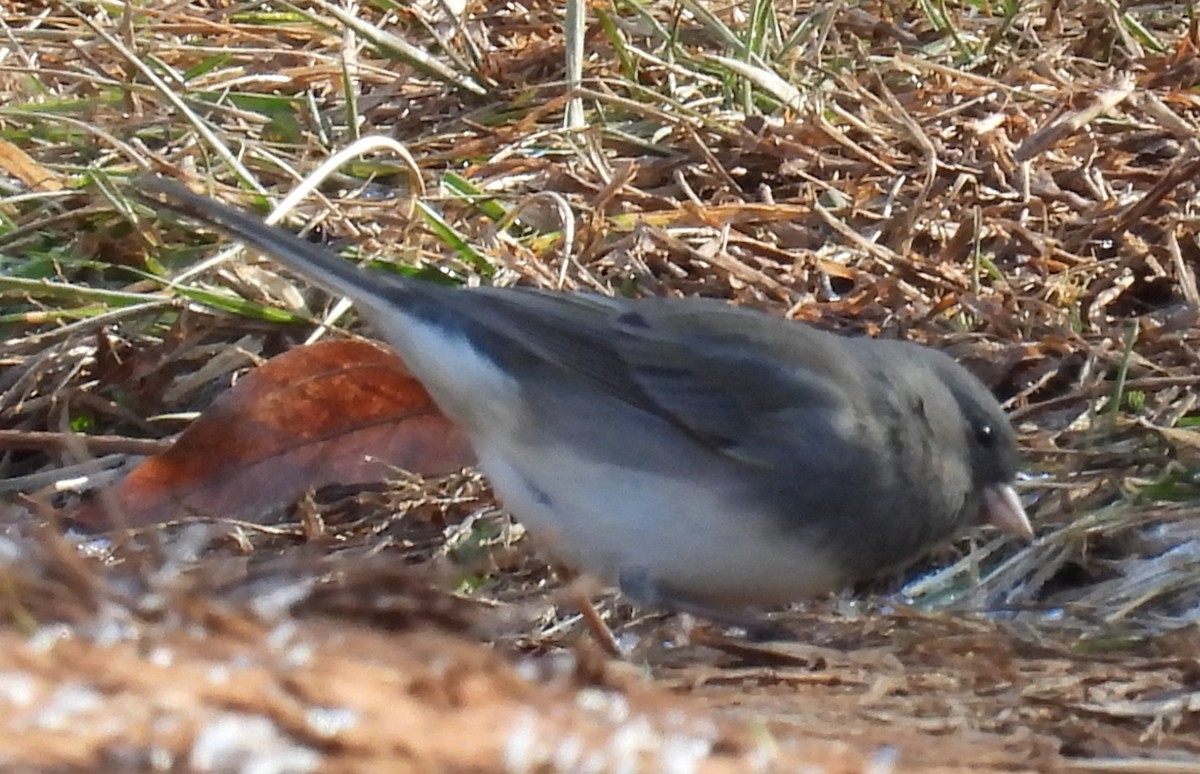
985,435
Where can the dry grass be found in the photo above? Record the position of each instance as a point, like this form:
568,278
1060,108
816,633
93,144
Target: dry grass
1016,183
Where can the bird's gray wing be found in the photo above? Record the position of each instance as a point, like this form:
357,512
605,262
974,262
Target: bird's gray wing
757,388
764,390
539,334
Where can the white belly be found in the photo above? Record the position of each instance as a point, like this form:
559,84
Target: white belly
611,520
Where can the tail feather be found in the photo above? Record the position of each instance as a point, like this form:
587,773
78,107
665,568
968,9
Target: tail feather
317,263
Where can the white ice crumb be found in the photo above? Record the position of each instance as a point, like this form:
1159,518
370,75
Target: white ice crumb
10,552
527,669
219,674
184,549
161,657
283,638
274,604
627,744
549,667
111,624
282,634
521,753
66,706
47,637
681,754
249,744
609,704
91,547
161,758
299,655
17,688
629,641
328,722
883,761
567,753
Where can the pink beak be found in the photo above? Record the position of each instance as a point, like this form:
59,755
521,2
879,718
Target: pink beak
1003,510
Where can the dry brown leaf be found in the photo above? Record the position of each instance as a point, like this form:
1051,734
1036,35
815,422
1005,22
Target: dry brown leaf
343,412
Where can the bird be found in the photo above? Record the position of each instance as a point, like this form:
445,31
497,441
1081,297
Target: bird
698,455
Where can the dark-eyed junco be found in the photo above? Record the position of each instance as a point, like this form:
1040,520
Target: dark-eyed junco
699,455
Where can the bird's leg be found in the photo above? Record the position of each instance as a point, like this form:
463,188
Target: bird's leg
578,591
641,588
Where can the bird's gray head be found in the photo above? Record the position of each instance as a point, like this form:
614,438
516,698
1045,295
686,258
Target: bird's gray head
988,437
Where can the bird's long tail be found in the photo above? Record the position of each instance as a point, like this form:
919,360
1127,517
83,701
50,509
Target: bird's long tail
317,263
